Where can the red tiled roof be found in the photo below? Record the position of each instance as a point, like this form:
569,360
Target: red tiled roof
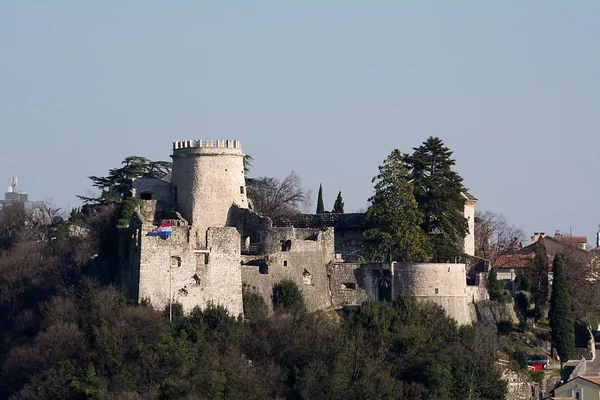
516,261
512,261
573,239
593,379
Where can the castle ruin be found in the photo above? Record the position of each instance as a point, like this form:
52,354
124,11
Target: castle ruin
218,244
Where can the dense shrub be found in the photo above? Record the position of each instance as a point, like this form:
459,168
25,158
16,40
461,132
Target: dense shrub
255,306
287,297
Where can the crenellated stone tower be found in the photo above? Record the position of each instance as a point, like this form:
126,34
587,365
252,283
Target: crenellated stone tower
207,179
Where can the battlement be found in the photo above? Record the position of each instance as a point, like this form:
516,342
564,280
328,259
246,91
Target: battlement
207,143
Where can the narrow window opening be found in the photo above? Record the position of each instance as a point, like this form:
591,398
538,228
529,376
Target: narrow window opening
349,285
285,264
437,291
175,262
241,190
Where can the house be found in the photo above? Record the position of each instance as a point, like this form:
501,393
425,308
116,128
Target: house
581,388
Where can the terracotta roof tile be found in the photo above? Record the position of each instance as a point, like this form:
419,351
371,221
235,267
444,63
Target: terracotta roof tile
516,261
593,379
573,239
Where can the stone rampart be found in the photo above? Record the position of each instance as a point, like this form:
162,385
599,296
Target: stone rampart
301,255
347,284
207,143
172,269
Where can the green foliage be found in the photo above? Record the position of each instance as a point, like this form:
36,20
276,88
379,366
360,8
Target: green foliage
520,357
126,210
67,336
539,278
495,287
505,327
591,320
320,206
523,279
118,183
438,191
287,297
255,306
338,206
395,217
560,315
522,302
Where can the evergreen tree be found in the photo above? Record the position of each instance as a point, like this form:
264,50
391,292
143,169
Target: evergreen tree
539,278
439,193
395,216
561,317
117,185
494,286
338,206
320,206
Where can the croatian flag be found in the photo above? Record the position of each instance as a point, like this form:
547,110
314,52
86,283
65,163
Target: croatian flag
163,230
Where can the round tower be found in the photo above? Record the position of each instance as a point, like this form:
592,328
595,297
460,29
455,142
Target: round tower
207,179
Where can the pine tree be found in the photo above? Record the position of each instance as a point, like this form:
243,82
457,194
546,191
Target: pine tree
561,316
320,206
395,216
338,206
539,278
439,193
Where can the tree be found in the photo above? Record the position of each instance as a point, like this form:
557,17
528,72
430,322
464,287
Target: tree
494,236
494,286
338,206
118,184
287,297
273,198
439,193
320,206
561,317
539,278
395,216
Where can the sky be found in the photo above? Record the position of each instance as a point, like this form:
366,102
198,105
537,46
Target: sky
323,88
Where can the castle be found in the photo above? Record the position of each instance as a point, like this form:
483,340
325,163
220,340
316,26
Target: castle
217,244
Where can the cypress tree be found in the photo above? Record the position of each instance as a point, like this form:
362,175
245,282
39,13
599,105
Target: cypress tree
539,278
494,286
561,316
338,206
320,206
439,193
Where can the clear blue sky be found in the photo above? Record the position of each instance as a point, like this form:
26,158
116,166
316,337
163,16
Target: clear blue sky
325,88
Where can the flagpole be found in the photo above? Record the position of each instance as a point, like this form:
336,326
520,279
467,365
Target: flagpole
170,285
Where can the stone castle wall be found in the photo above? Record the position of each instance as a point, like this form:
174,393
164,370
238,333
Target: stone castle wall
158,190
207,181
301,255
469,241
159,269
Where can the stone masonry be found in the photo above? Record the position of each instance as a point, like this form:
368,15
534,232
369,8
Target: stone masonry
218,244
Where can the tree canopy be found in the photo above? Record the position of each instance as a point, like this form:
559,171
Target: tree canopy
338,206
274,198
438,191
320,206
560,314
118,183
494,236
539,278
396,234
